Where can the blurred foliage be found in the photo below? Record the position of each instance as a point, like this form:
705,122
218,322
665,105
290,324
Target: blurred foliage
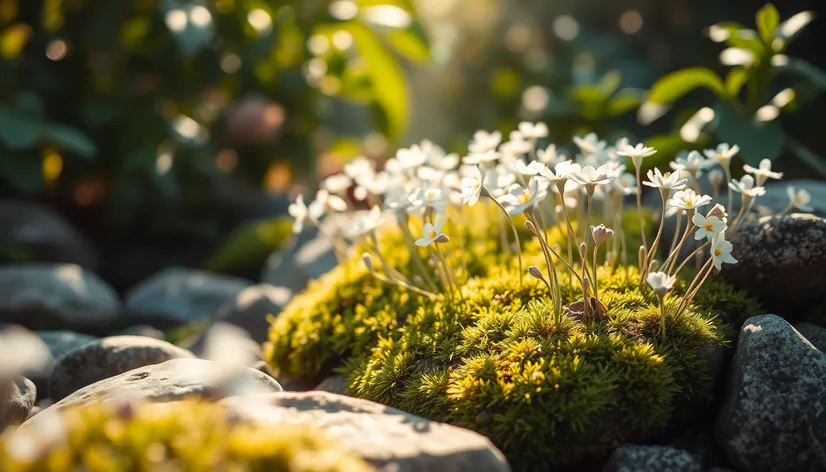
118,101
762,84
250,244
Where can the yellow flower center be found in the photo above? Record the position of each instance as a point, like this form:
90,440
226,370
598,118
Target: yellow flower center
708,226
718,252
431,234
525,197
477,185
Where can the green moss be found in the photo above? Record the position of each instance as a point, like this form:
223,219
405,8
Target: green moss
547,393
188,435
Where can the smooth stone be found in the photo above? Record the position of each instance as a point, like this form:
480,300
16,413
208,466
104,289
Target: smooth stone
142,330
773,417
19,397
250,308
334,384
306,257
32,232
108,357
387,438
813,333
177,296
59,343
40,296
172,380
634,458
780,260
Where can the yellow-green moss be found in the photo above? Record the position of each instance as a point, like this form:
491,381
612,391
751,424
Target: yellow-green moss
189,436
496,362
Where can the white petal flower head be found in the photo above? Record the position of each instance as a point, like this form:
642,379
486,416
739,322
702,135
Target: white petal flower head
479,157
716,177
472,187
299,211
636,153
721,251
549,156
324,200
590,144
484,142
591,176
693,163
359,167
660,282
518,199
431,233
431,197
444,161
723,154
689,200
626,184
668,181
799,198
763,172
337,184
515,147
410,158
708,227
746,187
601,234
533,131
365,223
530,169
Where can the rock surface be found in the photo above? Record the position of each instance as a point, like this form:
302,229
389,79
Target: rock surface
59,343
32,232
335,384
40,296
141,330
774,413
173,380
250,308
19,397
106,358
813,333
178,296
385,437
306,257
633,458
780,260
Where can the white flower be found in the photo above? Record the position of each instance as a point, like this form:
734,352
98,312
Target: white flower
365,223
374,183
799,198
533,131
668,181
433,197
763,172
627,184
484,142
478,157
472,187
359,167
660,282
444,162
298,210
723,154
549,156
22,351
431,233
589,176
746,187
515,147
636,153
715,178
721,251
707,226
338,183
601,234
532,168
324,200
519,198
688,200
590,144
410,158
693,163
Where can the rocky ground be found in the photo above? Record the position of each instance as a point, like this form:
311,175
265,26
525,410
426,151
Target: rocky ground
769,417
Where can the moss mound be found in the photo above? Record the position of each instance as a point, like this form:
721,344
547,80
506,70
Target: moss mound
548,394
189,435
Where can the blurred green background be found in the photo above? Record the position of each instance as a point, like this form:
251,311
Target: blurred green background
159,127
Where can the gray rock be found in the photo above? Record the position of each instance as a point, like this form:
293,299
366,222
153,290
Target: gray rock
387,438
813,333
18,400
59,343
781,260
43,295
179,296
32,232
306,257
172,380
633,458
142,330
106,358
772,418
250,309
335,384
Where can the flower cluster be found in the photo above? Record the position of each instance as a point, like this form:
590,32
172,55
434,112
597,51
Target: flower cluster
543,186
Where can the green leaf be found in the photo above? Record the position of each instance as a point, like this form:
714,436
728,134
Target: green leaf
736,79
757,140
388,79
738,36
18,130
410,42
70,139
675,85
805,70
790,28
767,19
610,82
251,244
623,102
667,146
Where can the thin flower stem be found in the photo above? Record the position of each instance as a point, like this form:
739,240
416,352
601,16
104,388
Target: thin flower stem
404,285
688,258
449,272
675,254
414,255
743,202
596,291
653,251
728,186
639,210
676,234
515,237
739,222
662,317
692,291
441,271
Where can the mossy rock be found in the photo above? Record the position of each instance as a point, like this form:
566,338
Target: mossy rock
187,435
549,393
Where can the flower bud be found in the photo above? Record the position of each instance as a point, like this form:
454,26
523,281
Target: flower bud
368,261
583,250
601,234
442,238
536,273
586,286
530,226
642,255
719,211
